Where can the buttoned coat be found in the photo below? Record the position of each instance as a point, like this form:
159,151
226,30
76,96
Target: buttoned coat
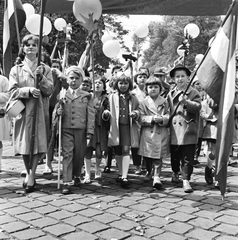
79,112
113,137
154,138
185,123
21,79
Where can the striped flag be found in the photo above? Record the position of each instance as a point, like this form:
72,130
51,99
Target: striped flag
10,30
217,74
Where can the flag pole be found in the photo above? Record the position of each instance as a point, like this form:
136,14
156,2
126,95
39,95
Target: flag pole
16,22
33,131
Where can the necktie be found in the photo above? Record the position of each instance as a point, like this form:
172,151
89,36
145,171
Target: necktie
74,94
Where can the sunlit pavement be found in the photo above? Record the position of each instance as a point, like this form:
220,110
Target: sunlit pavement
104,210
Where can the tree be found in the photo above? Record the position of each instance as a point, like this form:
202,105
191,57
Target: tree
166,36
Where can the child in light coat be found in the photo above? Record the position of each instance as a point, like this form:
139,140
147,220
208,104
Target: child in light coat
154,139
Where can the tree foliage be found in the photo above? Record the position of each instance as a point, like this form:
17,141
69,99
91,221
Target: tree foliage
166,36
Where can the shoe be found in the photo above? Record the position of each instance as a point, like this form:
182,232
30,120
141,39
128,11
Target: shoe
107,170
186,186
24,184
77,181
148,176
208,175
23,173
98,174
65,189
30,189
157,183
196,163
124,182
87,179
138,170
119,179
47,171
232,162
175,178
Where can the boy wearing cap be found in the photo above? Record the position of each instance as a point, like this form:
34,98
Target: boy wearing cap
78,117
183,126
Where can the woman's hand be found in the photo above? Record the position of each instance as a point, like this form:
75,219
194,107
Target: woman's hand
133,115
35,92
157,119
39,72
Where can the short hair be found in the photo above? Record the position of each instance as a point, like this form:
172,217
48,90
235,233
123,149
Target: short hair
122,77
57,60
153,81
103,80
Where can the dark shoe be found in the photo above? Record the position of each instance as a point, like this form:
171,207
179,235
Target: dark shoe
148,177
77,182
107,170
24,184
186,186
208,175
124,182
196,163
30,189
119,179
65,189
157,183
175,178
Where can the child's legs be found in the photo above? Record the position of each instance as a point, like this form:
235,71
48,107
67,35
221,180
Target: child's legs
98,156
87,161
109,157
158,166
149,164
176,156
118,156
188,152
211,148
67,151
135,157
80,144
125,160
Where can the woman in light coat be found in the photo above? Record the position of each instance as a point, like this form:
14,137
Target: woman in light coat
22,80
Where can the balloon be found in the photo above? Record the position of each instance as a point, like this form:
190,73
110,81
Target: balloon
29,9
77,15
111,48
87,7
33,25
142,30
198,58
106,37
210,42
60,24
192,30
180,51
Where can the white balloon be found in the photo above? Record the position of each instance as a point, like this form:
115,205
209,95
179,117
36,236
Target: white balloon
87,7
142,30
180,52
29,9
192,30
106,37
198,58
210,41
60,24
111,48
77,14
33,25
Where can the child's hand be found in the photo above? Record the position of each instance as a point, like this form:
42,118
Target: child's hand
157,119
133,115
35,92
60,111
106,113
89,135
183,99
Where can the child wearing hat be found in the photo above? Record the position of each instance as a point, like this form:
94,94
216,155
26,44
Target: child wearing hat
183,126
154,139
78,116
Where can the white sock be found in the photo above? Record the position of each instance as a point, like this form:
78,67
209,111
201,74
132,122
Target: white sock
125,165
87,163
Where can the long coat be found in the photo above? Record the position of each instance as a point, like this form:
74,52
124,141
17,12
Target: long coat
113,137
21,79
154,140
101,125
185,123
4,122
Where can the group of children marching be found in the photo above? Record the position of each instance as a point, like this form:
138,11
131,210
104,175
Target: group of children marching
96,121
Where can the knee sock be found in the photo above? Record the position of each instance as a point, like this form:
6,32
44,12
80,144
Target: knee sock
210,160
119,163
125,165
87,163
158,167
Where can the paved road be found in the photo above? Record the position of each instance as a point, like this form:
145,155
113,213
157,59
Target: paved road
103,210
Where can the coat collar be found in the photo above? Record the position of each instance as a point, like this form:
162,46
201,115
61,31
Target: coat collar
153,105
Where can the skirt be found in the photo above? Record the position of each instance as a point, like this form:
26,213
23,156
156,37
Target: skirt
125,135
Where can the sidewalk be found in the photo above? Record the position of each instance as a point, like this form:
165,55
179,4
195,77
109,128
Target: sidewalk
103,210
